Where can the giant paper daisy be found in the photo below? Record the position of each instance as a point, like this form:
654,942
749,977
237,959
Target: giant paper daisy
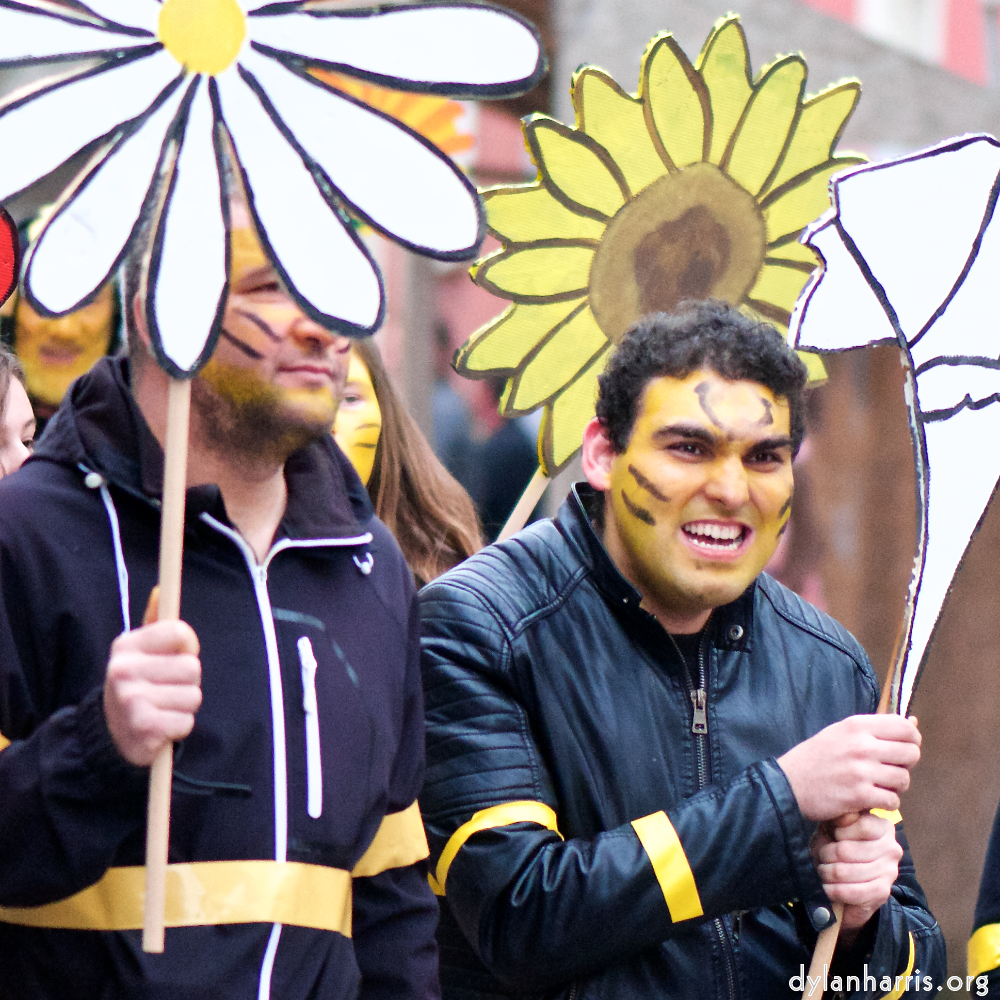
166,82
698,186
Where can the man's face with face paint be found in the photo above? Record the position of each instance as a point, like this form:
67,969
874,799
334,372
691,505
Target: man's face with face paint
699,498
277,368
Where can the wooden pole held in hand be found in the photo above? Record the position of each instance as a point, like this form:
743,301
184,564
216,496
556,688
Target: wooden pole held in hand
171,556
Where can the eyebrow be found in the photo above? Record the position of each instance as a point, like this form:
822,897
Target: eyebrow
698,433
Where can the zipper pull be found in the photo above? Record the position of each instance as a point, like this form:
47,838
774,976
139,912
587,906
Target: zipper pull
699,721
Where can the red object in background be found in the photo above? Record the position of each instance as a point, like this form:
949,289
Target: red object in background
10,256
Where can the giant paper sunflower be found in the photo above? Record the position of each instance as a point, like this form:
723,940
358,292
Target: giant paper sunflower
698,186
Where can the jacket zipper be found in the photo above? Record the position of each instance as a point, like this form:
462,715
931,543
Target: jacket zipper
699,727
258,574
314,759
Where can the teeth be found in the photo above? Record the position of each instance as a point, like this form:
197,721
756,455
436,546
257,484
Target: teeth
722,532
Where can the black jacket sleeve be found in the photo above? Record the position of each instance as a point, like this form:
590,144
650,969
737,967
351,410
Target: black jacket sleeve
395,913
69,800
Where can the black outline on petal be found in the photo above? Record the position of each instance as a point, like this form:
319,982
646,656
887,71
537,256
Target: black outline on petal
326,320
111,51
511,88
326,183
72,80
178,133
480,271
124,29
83,180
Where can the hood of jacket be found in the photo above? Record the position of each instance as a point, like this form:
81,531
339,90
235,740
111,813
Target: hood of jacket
100,428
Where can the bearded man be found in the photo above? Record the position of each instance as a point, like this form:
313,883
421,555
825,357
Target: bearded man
649,765
301,750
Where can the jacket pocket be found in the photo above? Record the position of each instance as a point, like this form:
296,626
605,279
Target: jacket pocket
314,756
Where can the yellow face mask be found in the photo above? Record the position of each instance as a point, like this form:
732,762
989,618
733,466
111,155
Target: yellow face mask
702,493
54,352
359,420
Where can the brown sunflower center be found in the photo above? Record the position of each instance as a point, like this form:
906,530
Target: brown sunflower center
695,234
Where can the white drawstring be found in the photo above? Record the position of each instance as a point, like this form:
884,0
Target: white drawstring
119,555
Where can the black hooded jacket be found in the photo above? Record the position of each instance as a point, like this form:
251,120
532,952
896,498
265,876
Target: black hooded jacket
598,833
303,766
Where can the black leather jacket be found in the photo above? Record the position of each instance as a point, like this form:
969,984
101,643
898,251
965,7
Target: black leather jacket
559,712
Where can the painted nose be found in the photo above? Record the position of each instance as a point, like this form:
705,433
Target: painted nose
314,337
728,485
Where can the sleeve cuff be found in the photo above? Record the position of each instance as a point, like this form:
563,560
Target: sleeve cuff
113,775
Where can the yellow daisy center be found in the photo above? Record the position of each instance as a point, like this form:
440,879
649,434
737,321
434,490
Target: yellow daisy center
695,234
203,35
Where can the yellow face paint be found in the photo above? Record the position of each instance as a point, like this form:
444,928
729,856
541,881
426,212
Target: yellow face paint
701,494
54,352
359,420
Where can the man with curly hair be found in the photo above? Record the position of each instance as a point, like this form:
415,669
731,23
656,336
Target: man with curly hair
652,768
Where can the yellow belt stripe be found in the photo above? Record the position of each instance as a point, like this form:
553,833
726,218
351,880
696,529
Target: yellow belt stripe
400,841
205,893
659,839
984,949
894,817
487,819
900,989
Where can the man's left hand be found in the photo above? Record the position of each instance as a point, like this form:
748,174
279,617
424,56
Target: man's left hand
857,858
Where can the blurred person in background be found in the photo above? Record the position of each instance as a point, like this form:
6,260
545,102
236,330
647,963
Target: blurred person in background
414,495
452,418
17,421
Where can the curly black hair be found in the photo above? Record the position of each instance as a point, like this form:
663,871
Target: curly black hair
709,334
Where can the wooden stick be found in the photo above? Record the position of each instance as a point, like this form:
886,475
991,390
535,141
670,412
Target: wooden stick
171,554
529,500
826,943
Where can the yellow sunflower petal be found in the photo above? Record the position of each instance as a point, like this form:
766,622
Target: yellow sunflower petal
779,286
501,346
802,200
561,433
797,253
761,137
724,64
677,103
557,363
814,366
576,167
616,120
529,213
536,274
818,130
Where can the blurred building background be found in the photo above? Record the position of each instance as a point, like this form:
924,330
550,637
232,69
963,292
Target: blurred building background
929,69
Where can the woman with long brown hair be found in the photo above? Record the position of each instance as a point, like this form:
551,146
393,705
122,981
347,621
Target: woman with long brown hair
432,517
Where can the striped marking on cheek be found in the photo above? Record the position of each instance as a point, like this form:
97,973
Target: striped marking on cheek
639,513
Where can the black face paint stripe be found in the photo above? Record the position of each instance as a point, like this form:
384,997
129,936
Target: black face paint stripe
783,528
648,486
768,418
260,324
245,348
702,389
640,513
787,506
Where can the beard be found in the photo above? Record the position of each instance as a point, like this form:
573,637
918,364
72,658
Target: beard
247,419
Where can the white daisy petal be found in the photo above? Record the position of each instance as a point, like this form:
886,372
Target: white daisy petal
51,125
397,181
26,36
142,14
84,241
188,278
324,267
448,48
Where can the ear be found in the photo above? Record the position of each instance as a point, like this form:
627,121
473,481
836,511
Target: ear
139,321
597,455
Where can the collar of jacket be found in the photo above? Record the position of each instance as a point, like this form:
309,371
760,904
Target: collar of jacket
99,427
731,625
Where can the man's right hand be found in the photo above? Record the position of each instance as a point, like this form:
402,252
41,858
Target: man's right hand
152,689
860,763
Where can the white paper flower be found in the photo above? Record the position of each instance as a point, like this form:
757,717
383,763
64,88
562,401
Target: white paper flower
911,254
169,75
